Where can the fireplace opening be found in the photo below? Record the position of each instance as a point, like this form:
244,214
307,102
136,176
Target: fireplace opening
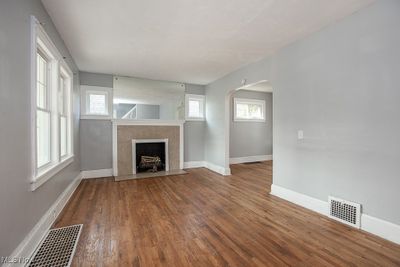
150,157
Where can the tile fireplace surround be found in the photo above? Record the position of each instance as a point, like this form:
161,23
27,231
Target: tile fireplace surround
124,131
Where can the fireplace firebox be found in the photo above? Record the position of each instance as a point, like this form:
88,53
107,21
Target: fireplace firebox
149,155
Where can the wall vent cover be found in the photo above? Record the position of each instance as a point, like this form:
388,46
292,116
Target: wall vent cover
58,247
345,211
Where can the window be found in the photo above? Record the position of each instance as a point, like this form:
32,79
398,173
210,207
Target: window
249,110
195,107
65,112
96,102
51,108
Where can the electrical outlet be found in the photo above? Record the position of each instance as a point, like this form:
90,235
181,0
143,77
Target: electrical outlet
300,134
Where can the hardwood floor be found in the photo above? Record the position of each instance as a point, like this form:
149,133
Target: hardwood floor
204,219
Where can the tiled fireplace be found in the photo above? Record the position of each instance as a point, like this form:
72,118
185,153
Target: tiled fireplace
161,141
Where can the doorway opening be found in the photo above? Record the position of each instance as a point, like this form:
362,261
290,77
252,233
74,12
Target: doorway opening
249,125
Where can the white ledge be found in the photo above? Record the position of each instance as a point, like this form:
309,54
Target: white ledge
49,173
148,122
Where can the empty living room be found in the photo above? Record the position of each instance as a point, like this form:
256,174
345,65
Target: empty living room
199,133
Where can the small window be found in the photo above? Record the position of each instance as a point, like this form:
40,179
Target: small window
195,107
249,110
96,102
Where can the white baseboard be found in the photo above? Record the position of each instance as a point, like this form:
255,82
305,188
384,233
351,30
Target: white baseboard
26,248
373,225
204,164
300,199
97,173
379,227
250,159
193,164
218,169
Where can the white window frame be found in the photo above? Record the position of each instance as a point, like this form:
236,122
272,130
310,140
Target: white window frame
41,41
202,99
67,75
86,91
248,101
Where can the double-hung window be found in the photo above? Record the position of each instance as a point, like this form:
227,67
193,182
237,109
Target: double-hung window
64,110
51,108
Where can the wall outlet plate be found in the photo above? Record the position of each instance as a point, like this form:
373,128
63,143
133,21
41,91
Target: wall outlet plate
300,134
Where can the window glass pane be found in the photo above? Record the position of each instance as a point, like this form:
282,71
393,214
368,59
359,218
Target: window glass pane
61,96
41,81
255,111
63,136
242,111
43,137
249,111
194,109
97,104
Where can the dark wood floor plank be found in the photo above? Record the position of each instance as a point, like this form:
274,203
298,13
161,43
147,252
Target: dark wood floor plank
205,219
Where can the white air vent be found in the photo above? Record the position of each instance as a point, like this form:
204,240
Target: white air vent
345,211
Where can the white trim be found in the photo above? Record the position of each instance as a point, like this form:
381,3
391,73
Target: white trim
97,173
237,100
155,122
382,228
300,199
138,141
211,166
218,169
28,246
118,122
58,66
250,159
107,91
95,117
49,173
194,164
202,100
373,225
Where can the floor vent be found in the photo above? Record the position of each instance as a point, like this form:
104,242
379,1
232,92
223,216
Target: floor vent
253,162
345,211
58,247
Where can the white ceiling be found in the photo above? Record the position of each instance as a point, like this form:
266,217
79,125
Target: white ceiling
196,41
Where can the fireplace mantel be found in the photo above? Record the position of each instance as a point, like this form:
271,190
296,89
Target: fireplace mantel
116,123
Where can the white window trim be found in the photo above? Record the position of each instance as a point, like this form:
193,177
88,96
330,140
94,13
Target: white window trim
66,71
248,101
40,175
108,92
202,99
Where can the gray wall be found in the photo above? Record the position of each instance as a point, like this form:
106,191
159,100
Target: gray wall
247,138
20,208
96,144
339,85
194,131
96,135
96,79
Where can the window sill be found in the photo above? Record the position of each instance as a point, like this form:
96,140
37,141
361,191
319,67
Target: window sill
96,117
195,119
45,175
249,120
